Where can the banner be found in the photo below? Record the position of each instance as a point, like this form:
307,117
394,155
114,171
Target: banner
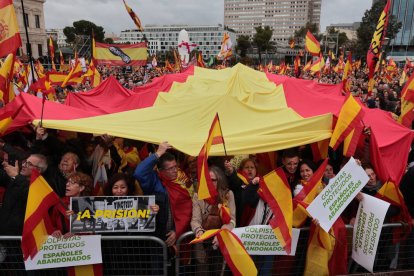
261,240
334,198
112,214
120,54
367,230
61,252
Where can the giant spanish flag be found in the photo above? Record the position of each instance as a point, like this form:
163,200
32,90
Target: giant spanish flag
9,29
377,40
232,250
6,78
37,224
312,44
349,117
120,54
407,103
134,17
206,189
275,191
310,190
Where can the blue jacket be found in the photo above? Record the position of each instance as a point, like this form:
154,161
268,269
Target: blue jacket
148,177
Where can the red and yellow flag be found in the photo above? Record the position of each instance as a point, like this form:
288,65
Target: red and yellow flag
37,225
320,150
407,103
120,54
318,65
10,39
134,17
347,70
86,270
6,119
297,65
52,53
200,61
310,190
56,78
312,44
74,76
232,250
62,59
275,190
93,74
6,79
206,189
292,43
371,85
349,117
308,66
377,40
168,66
243,177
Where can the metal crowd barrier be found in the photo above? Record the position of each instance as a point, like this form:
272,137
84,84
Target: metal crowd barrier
147,255
121,255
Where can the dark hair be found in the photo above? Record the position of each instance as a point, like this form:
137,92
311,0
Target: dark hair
309,163
117,177
83,180
290,153
165,158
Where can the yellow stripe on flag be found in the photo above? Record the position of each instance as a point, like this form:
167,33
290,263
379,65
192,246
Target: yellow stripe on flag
39,190
7,14
40,234
4,124
84,270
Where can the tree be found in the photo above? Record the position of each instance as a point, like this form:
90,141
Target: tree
243,44
262,40
369,24
83,27
301,33
109,40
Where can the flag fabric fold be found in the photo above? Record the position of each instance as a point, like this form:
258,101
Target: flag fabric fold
6,79
232,250
206,189
37,224
407,103
312,44
275,191
134,17
349,117
10,39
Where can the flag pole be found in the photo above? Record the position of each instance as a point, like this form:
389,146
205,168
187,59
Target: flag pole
221,130
28,46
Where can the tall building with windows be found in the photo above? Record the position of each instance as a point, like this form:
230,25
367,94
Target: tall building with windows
164,38
35,19
403,43
58,36
283,16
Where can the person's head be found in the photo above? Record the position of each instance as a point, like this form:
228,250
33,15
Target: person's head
290,159
220,182
372,176
249,168
69,162
167,166
120,184
79,184
329,171
34,161
306,169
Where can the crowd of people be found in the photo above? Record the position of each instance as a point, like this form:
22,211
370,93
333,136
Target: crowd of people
76,164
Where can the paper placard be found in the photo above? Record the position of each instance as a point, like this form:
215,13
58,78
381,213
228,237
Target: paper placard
260,240
340,191
73,251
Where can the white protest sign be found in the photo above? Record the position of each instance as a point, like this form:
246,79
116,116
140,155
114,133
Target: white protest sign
334,198
367,230
73,251
260,240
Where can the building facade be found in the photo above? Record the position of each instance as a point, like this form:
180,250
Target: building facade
164,38
403,44
283,16
350,29
58,36
36,26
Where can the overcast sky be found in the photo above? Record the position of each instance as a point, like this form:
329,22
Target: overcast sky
111,14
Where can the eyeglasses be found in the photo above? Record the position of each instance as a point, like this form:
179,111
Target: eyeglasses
72,182
214,179
29,164
173,168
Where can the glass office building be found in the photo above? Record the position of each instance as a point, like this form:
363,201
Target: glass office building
403,44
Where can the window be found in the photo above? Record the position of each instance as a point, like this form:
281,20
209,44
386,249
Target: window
37,21
40,49
26,18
